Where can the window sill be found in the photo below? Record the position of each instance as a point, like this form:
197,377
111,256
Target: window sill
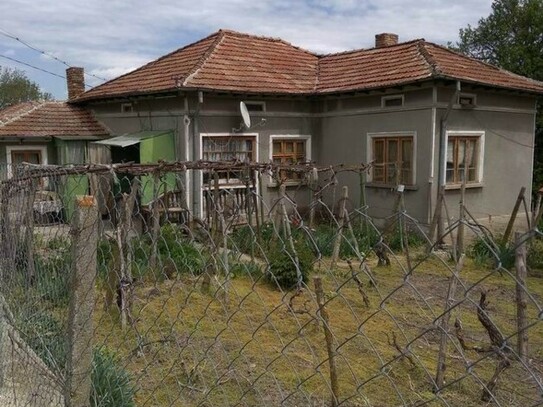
391,187
453,187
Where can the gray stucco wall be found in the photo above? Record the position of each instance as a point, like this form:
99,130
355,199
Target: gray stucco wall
339,127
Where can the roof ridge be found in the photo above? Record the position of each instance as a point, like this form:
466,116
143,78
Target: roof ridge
429,59
352,51
154,61
36,106
268,38
203,59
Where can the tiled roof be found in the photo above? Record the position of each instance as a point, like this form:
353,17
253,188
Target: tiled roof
48,119
231,61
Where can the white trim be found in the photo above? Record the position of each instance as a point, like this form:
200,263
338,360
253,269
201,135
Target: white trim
369,149
384,99
481,152
9,149
306,137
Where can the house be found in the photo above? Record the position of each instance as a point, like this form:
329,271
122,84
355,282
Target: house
50,132
418,111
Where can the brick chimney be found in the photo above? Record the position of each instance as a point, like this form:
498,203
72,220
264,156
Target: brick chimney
385,40
75,79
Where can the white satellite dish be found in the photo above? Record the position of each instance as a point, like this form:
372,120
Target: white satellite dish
245,114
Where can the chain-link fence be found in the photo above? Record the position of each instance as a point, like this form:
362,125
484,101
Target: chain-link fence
130,298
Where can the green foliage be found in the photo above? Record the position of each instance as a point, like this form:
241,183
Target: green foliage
240,269
397,239
15,88
174,245
111,384
492,252
282,270
325,236
45,335
534,257
245,239
53,270
512,38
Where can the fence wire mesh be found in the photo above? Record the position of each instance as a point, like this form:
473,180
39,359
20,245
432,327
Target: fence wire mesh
129,298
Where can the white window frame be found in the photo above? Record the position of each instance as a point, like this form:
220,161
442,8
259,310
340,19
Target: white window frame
392,97
9,149
391,134
274,137
480,158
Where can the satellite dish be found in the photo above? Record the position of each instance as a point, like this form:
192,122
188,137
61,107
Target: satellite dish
245,114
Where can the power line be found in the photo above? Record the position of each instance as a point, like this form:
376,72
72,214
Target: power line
35,67
26,44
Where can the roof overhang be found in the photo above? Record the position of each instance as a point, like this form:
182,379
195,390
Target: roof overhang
81,138
130,139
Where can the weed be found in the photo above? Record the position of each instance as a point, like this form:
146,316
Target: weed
111,384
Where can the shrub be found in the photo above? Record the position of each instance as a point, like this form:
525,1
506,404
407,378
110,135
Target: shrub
396,240
282,270
485,251
325,236
535,257
111,384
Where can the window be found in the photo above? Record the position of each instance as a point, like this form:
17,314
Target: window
463,159
16,155
467,100
392,101
393,160
127,108
287,150
228,148
256,106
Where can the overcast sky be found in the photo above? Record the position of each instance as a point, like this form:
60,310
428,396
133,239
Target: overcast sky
111,37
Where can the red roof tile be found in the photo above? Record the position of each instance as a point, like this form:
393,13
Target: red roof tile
48,119
231,61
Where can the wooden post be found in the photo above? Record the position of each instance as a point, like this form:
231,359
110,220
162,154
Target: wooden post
449,302
323,314
435,220
522,320
28,222
314,195
509,228
461,218
341,222
288,236
155,222
82,300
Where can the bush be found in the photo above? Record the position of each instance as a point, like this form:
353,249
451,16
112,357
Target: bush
172,244
397,239
535,257
325,236
245,239
111,384
485,251
282,270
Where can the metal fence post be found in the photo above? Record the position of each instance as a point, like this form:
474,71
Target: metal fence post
80,327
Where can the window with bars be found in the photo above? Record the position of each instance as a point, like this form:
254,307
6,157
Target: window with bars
463,159
228,148
289,151
393,160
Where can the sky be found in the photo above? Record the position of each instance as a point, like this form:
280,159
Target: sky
111,37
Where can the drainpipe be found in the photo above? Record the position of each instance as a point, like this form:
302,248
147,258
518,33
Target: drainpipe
443,151
196,187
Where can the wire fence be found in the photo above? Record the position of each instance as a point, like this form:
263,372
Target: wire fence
129,298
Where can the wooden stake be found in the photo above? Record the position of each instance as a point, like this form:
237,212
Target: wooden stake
449,302
513,217
522,303
323,314
339,236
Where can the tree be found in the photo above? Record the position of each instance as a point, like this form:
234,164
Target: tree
512,37
15,88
